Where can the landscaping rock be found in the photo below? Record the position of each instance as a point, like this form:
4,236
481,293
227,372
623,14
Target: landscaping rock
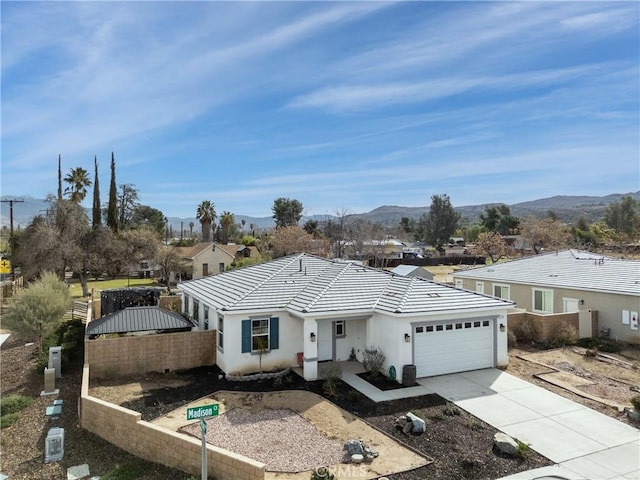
419,425
505,444
407,428
354,447
357,458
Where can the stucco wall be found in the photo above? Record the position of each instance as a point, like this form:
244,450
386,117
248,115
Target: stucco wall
110,357
608,305
231,359
125,429
355,336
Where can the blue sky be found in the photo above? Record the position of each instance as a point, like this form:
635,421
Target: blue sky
343,106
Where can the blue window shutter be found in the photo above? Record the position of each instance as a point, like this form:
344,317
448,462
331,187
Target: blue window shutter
246,336
274,333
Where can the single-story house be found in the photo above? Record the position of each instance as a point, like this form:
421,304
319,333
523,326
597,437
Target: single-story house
412,271
206,258
304,309
137,320
566,281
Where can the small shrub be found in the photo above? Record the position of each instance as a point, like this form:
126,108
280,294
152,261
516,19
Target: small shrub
322,473
523,449
563,334
590,343
8,419
608,345
451,410
353,396
475,425
278,382
590,353
126,471
436,416
373,360
635,401
525,331
14,403
332,373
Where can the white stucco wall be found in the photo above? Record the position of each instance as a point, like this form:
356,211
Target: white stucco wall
231,359
355,336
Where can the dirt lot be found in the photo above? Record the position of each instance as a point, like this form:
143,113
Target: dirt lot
606,382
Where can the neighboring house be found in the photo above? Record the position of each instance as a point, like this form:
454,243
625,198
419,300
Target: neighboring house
143,269
412,271
306,309
567,281
206,258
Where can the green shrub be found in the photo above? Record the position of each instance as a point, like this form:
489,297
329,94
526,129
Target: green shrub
606,345
126,471
8,419
523,449
635,401
14,403
322,473
436,416
373,360
451,410
332,373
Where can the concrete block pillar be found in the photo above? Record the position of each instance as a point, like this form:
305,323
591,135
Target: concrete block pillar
49,380
55,360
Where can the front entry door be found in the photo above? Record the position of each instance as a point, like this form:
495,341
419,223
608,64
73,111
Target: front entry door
325,340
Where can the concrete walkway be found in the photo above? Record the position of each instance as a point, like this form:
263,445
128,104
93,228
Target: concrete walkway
584,443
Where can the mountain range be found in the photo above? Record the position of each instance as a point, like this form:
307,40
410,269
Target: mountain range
566,208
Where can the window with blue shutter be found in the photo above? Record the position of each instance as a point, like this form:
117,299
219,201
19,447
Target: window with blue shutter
274,333
259,334
246,336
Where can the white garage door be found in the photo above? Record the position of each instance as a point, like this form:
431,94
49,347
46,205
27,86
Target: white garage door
453,347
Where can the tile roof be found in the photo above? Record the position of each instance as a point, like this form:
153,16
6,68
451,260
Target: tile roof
308,284
571,269
138,319
191,252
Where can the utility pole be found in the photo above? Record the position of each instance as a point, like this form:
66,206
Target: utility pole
11,239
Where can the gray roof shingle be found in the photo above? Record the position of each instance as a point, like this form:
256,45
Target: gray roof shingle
308,284
571,269
138,319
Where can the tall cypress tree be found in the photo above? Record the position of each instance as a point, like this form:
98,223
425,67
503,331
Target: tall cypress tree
59,177
112,209
97,214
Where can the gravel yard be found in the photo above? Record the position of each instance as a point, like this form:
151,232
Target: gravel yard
280,438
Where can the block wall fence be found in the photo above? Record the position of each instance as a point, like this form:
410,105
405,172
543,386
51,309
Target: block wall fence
125,429
546,324
115,357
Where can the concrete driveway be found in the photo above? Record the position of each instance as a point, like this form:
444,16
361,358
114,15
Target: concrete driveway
584,443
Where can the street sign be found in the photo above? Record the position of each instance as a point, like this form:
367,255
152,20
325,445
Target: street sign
196,413
5,266
201,413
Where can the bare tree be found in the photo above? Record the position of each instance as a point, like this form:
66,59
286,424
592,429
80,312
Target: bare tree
290,240
544,233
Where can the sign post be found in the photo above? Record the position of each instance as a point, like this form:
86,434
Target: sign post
202,413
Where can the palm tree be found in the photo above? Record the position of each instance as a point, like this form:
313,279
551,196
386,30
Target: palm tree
206,214
227,225
78,181
191,229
